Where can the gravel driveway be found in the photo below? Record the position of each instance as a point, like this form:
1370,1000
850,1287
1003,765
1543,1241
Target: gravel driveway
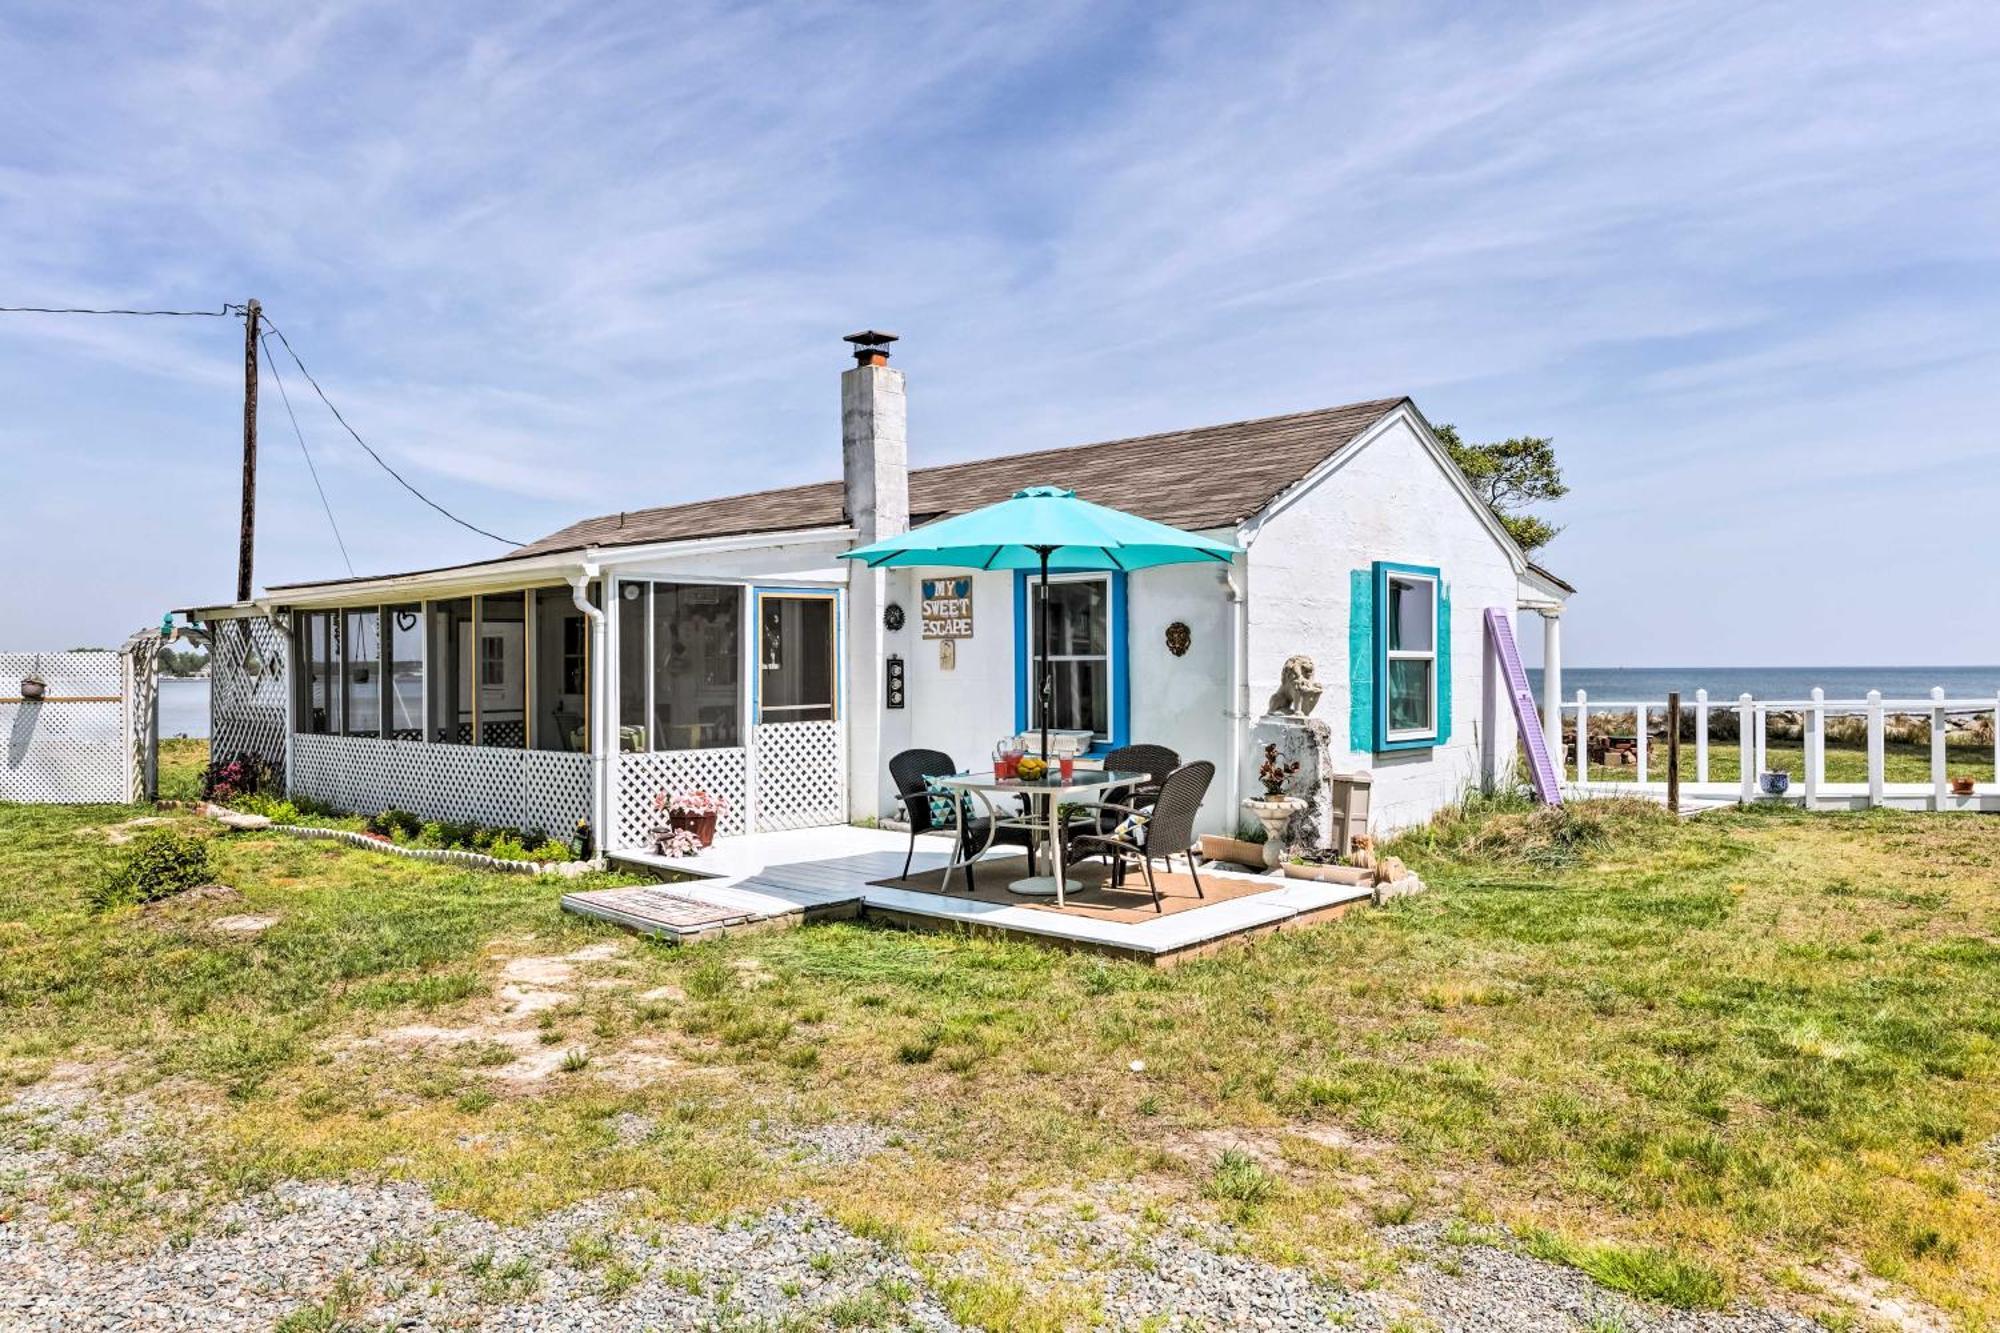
366,1255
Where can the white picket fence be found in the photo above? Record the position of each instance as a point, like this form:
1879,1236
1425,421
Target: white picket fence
1753,722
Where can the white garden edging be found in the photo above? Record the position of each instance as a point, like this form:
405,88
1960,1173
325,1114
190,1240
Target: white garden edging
452,855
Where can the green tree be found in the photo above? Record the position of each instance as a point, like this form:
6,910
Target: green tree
1511,475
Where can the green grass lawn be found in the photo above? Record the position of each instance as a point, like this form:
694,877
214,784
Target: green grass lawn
1699,1060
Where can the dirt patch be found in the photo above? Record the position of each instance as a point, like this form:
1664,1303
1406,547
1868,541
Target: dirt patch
1846,1279
517,1026
120,834
243,925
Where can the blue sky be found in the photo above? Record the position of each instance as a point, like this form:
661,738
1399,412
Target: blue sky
1742,262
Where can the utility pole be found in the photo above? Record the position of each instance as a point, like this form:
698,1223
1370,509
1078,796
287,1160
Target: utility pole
247,536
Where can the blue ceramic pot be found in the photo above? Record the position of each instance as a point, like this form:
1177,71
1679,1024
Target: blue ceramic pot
1774,784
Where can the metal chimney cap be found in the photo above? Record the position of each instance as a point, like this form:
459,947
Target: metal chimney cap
874,338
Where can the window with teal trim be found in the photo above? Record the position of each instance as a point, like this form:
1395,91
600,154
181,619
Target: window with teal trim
1408,675
1086,649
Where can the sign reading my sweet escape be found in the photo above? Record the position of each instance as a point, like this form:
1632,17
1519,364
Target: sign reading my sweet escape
947,611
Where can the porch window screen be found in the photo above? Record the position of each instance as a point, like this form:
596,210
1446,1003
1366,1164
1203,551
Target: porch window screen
503,670
1079,653
361,672
404,628
697,647
635,611
451,671
795,659
562,673
319,693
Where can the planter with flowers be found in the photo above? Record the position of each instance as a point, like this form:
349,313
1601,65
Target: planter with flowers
691,819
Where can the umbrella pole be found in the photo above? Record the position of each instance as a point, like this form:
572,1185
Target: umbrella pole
1044,689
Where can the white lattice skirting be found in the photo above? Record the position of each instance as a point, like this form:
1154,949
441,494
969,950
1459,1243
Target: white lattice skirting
60,749
641,777
537,790
246,692
801,772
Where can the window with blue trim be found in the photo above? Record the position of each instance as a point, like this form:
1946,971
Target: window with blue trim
1086,654
1406,655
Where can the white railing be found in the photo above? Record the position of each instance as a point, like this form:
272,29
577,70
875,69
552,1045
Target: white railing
1753,735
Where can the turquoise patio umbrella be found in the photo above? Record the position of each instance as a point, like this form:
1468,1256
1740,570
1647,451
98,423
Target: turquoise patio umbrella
1044,528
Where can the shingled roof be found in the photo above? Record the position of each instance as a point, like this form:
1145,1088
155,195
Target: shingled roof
1209,477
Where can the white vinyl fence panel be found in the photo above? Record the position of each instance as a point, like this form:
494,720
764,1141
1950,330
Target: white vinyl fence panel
71,746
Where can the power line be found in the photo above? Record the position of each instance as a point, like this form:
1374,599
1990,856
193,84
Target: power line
264,343
382,462
226,310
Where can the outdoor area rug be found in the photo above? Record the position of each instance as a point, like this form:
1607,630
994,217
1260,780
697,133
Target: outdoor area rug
1128,902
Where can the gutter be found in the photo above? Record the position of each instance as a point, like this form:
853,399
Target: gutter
600,755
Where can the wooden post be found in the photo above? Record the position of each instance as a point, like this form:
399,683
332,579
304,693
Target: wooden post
1874,748
1674,751
1937,747
1641,716
1701,736
1746,753
247,529
1582,736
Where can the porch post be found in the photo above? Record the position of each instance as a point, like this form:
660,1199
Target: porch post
1552,690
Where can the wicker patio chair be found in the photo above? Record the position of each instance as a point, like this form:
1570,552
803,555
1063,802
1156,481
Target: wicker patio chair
907,772
1160,831
1156,761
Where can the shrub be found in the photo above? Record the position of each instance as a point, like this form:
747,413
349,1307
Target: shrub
229,779
160,864
398,824
272,808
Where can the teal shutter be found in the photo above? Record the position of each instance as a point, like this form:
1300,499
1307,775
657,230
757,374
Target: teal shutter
1361,660
1444,662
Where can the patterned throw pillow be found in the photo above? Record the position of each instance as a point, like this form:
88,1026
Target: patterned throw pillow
1129,827
941,799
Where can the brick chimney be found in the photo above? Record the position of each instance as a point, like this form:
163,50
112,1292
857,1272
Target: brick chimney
875,479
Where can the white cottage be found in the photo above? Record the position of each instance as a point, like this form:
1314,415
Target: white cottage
722,644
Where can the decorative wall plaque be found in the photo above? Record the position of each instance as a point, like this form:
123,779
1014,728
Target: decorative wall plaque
1178,638
892,616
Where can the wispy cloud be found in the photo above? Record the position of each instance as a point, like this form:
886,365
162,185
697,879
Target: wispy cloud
556,259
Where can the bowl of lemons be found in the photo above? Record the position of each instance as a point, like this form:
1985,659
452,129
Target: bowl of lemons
1032,769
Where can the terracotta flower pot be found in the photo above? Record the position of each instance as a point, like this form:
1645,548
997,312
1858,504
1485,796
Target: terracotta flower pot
1961,786
33,687
702,826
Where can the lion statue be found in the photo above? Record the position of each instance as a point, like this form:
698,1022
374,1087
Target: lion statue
1298,688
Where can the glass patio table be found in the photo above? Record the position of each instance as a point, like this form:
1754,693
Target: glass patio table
1045,799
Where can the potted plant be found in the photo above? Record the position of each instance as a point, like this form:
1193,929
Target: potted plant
1774,782
692,812
33,686
1275,773
1961,786
1325,864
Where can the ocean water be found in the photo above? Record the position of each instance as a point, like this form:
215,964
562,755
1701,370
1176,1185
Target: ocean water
1654,683
183,706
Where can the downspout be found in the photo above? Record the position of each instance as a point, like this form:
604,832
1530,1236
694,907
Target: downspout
1236,578
600,758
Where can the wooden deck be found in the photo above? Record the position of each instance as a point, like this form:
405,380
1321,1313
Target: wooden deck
790,878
